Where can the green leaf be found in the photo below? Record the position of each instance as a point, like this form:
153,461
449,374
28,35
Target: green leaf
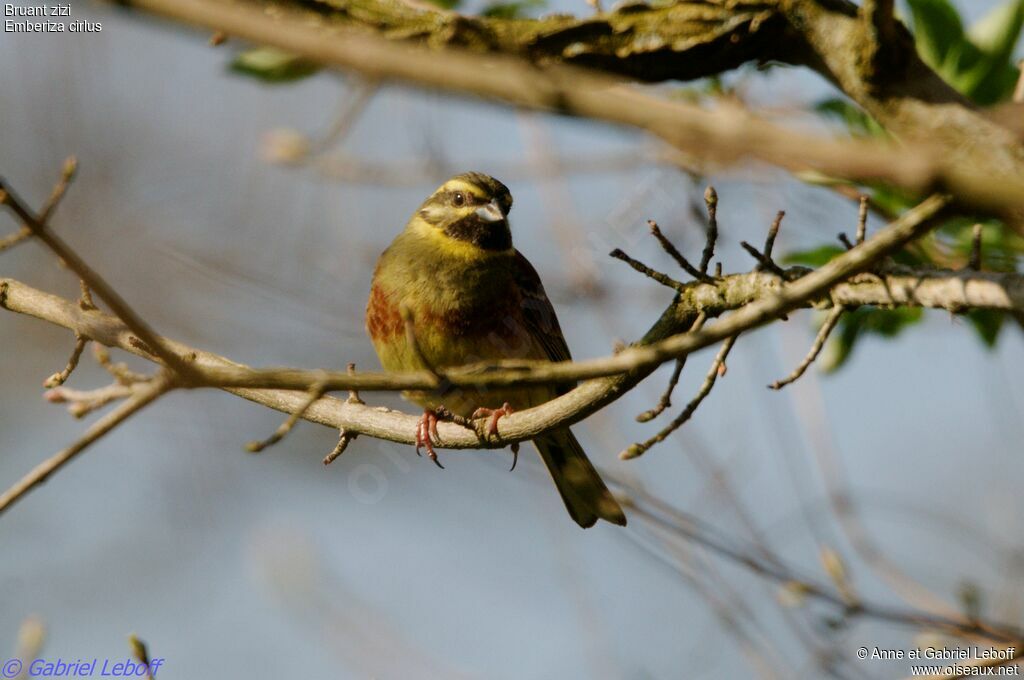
992,77
815,257
937,28
272,65
988,323
511,10
856,119
997,32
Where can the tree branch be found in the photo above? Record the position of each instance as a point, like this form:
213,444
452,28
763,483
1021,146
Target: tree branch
146,395
986,175
759,297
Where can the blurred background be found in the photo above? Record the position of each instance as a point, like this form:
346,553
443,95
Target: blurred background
245,219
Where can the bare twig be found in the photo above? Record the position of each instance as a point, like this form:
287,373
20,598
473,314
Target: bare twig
845,240
711,201
59,189
344,438
819,341
120,370
674,253
286,427
638,449
93,280
663,279
60,378
14,239
773,231
691,528
149,393
862,219
81,403
763,262
666,397
343,441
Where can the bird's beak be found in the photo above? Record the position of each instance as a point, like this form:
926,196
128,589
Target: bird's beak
490,212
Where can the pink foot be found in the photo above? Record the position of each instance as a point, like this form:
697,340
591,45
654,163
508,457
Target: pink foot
495,414
492,426
425,430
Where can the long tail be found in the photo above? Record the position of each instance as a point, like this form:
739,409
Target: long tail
585,495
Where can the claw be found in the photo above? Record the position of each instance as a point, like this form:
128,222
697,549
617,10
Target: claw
426,429
495,415
515,455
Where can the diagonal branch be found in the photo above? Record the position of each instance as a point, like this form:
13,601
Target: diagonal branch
979,162
819,341
90,278
146,395
758,297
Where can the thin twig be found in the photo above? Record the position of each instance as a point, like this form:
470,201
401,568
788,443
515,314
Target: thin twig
862,219
819,341
85,301
14,239
60,378
41,472
713,373
90,277
675,254
711,201
81,403
66,176
773,231
691,528
344,437
975,260
120,370
663,279
286,427
845,240
666,397
764,262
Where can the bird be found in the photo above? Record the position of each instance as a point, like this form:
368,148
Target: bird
450,290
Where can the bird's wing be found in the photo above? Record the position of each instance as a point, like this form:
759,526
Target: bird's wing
538,314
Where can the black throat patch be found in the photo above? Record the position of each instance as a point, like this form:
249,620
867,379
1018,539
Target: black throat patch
481,233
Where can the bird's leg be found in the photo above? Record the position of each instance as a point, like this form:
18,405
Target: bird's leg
425,430
495,414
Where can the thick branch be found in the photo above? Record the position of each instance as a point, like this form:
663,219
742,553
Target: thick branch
723,135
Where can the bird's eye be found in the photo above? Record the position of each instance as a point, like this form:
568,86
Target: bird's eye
459,198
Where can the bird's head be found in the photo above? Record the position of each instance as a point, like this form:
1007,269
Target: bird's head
471,208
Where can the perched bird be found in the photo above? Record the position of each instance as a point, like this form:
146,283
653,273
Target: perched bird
471,296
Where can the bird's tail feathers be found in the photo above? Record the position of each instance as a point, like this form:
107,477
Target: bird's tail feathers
585,495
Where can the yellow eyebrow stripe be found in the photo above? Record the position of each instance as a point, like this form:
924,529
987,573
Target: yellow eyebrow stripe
461,185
